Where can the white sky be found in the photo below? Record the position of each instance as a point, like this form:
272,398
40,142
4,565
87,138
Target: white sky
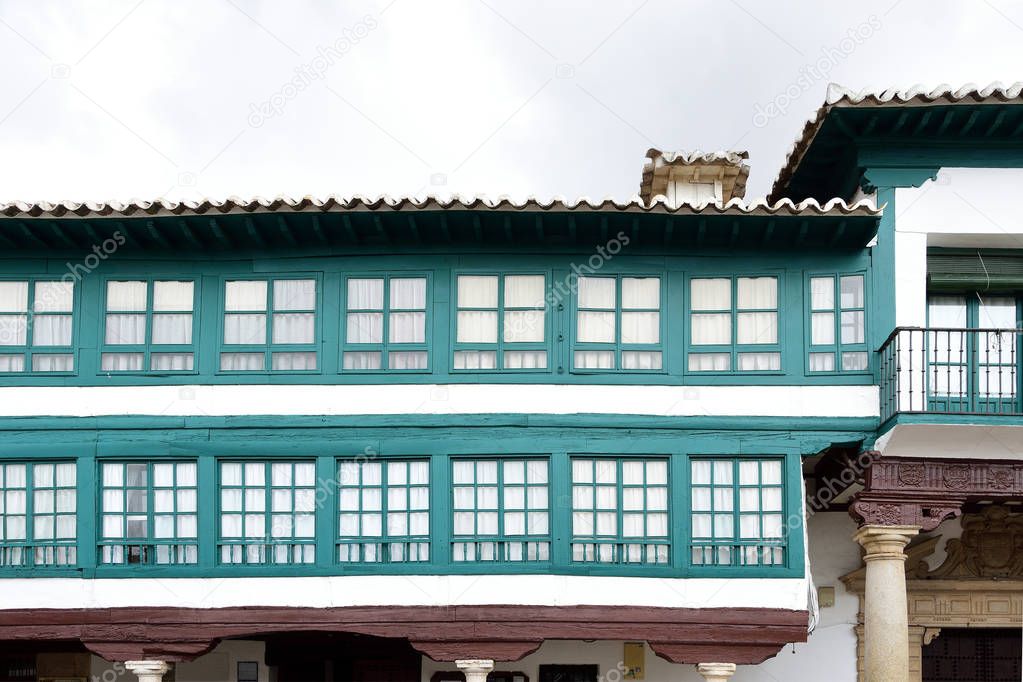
117,100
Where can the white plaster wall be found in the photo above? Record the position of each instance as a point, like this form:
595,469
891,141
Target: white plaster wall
962,208
381,590
967,441
668,401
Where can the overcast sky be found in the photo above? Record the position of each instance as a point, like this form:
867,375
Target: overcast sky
188,98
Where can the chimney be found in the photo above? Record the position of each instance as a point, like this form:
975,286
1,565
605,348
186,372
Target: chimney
694,177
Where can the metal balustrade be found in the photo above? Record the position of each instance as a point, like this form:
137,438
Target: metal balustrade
950,371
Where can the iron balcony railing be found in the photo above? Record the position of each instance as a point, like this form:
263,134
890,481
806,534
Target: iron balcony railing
951,371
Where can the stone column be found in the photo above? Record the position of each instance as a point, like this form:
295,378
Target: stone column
148,671
885,613
475,669
716,672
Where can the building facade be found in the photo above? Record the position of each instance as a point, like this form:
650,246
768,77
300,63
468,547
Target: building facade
333,439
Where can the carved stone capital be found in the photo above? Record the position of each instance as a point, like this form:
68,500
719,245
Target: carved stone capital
885,543
716,672
475,669
148,671
926,513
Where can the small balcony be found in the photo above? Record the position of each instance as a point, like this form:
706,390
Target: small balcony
939,370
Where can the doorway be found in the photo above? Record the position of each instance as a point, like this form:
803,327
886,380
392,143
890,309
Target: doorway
974,655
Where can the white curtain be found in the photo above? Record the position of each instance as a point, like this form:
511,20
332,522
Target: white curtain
364,328
361,360
293,361
709,362
822,293
407,327
641,293
121,362
477,291
759,362
597,292
53,363
711,328
171,362
593,359
641,327
245,329
756,328
852,291
632,359
289,328
51,330
407,360
854,361
595,327
54,297
295,294
473,359
172,328
477,326
245,295
822,362
12,363
723,526
711,294
757,293
822,329
126,296
121,329
656,525
408,293
852,325
241,361
14,297
749,526
366,294
525,359
701,471
173,296
524,291
523,326
13,330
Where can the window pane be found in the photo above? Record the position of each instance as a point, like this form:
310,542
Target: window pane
759,362
51,330
172,328
173,296
13,297
245,329
641,327
126,296
407,328
757,293
709,362
852,326
597,292
524,326
852,291
822,329
711,294
476,326
245,295
408,293
641,292
365,294
120,329
822,362
291,328
757,328
364,328
364,360
477,291
596,327
822,293
295,294
594,359
524,291
711,328
854,362
473,359
525,359
13,330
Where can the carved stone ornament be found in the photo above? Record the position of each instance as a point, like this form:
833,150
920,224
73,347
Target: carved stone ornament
1000,479
957,477
991,547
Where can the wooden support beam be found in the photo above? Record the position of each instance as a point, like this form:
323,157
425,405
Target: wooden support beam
969,123
573,230
508,233
842,125
945,122
219,234
769,232
31,235
156,235
922,123
414,228
669,231
129,238
901,121
997,122
321,236
804,227
250,228
838,233
285,230
189,234
701,233
735,234
346,222
477,228
93,235
538,226
378,227
445,229
61,235
871,124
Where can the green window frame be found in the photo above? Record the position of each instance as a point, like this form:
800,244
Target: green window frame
270,324
837,323
386,323
737,512
499,325
618,324
621,510
38,522
266,512
500,509
149,325
37,326
148,512
730,324
383,511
